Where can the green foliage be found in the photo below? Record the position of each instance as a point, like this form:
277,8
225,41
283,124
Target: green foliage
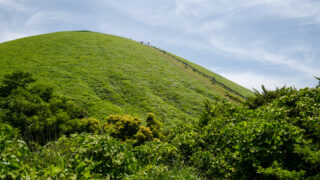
89,156
165,172
13,81
206,114
129,128
123,127
301,109
277,140
90,124
236,150
40,115
13,151
154,125
276,171
85,156
266,96
156,152
186,139
144,134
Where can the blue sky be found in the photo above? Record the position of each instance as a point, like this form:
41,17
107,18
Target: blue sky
252,42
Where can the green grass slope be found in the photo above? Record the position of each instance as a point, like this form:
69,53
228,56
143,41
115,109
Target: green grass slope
108,74
240,89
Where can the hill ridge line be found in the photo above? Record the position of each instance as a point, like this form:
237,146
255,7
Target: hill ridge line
212,79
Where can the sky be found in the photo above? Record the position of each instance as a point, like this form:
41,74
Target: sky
251,42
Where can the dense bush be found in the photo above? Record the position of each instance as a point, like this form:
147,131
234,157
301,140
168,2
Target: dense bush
165,172
35,110
156,152
279,139
13,152
275,135
90,124
123,127
266,96
154,125
85,156
300,108
128,128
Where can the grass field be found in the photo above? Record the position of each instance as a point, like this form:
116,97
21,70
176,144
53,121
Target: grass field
108,74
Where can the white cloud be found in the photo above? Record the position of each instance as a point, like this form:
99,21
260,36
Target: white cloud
295,9
46,17
152,13
210,26
226,12
10,35
13,5
254,80
260,54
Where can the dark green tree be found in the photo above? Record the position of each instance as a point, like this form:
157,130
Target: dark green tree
14,80
35,110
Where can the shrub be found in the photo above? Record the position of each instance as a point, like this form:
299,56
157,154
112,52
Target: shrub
36,111
13,152
123,127
87,125
279,140
85,156
266,96
14,80
165,172
128,128
156,152
144,134
154,125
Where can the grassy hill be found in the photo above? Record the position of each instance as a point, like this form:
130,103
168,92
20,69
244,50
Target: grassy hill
108,74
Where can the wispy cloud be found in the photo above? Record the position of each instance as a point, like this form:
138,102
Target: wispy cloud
262,55
13,5
254,80
309,10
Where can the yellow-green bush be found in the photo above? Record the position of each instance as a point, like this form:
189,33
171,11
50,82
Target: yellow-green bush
154,125
88,125
129,128
123,127
144,134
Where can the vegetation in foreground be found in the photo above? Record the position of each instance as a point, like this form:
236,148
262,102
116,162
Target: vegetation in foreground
273,135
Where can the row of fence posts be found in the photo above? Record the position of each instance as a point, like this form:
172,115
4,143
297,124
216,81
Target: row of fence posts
213,80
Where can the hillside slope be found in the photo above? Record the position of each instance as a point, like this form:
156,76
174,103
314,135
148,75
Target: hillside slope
108,74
